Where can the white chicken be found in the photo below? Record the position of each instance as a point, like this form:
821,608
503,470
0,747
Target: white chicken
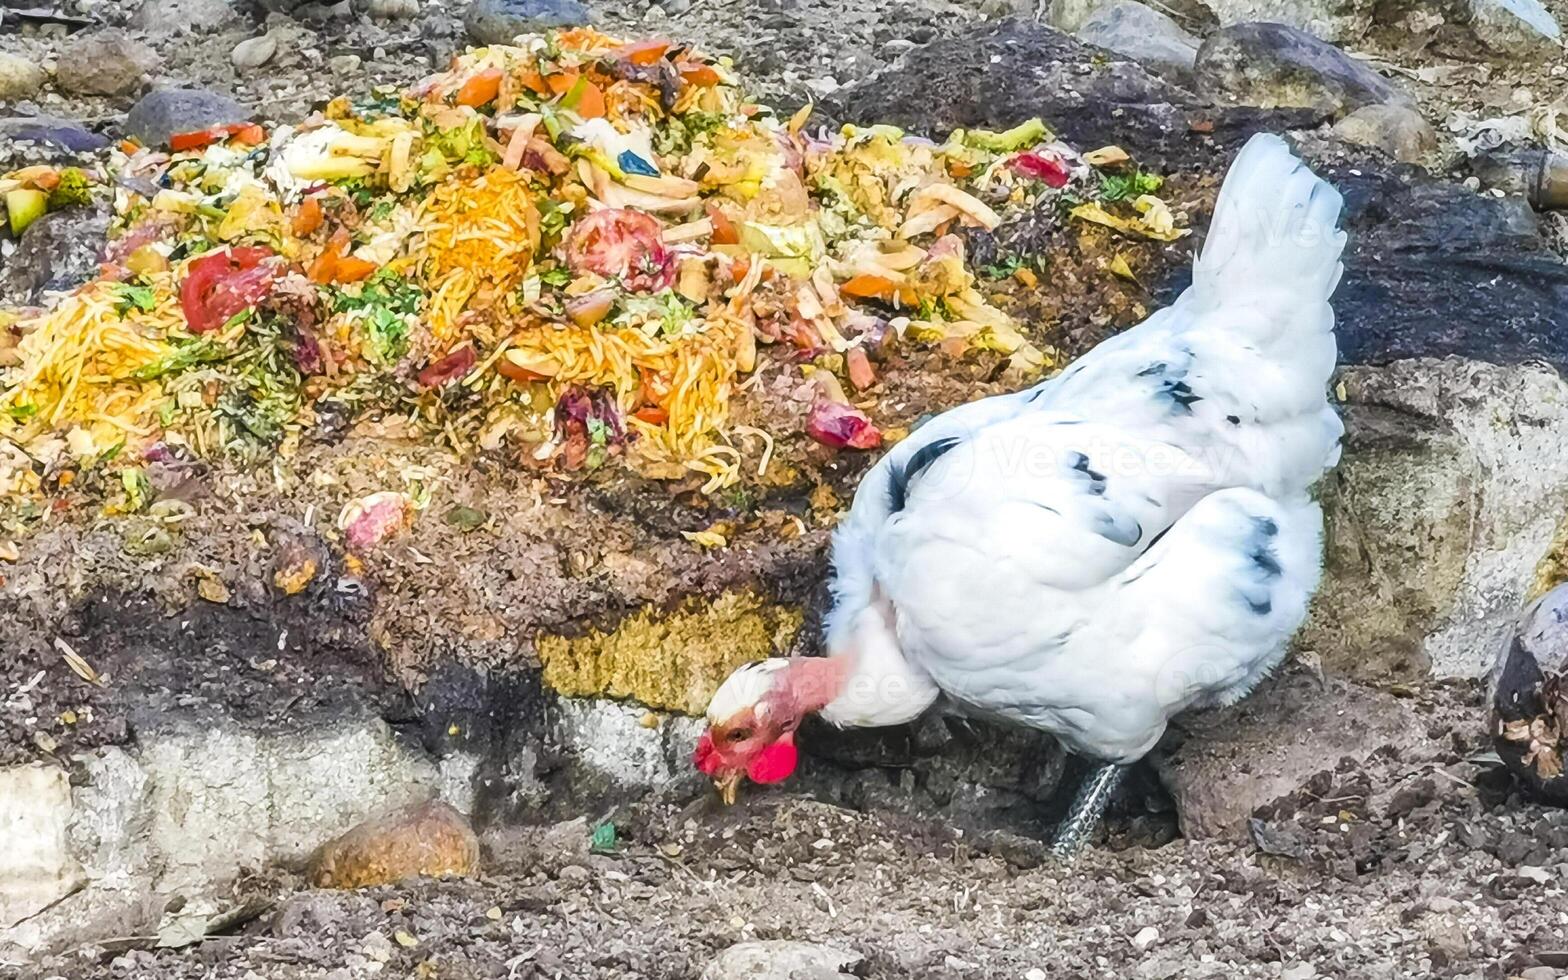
1129,539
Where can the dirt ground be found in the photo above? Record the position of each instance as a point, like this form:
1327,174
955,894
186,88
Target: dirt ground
1415,865
1418,864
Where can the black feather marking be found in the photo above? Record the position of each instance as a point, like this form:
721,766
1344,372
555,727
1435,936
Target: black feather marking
1158,367
1156,539
1266,561
1262,608
1265,526
1107,527
1233,419
1080,464
898,487
1181,393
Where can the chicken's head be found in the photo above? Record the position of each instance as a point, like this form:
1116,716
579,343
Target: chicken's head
751,728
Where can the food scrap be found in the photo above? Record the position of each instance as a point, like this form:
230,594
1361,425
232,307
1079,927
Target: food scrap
574,250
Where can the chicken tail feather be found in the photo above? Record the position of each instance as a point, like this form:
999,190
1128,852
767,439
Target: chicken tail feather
1274,239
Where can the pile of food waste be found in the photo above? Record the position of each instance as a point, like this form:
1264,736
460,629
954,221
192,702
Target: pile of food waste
574,251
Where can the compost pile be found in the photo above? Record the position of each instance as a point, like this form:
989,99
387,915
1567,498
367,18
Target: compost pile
573,251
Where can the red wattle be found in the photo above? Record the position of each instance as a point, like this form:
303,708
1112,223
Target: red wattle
774,763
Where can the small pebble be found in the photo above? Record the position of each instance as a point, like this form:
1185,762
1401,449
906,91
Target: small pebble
1146,937
254,52
344,64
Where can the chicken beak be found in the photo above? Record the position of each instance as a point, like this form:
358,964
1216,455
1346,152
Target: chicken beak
727,786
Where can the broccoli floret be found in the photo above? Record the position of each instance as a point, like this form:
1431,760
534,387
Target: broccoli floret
73,191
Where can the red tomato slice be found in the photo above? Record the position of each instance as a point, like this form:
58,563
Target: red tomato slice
221,284
620,244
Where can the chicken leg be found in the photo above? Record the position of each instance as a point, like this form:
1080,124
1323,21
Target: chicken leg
1088,807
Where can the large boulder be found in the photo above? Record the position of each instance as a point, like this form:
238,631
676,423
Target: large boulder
1221,766
164,112
20,78
1398,130
1278,66
170,16
499,21
106,62
1143,34
1333,20
1516,29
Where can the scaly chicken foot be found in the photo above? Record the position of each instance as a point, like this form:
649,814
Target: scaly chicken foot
1088,807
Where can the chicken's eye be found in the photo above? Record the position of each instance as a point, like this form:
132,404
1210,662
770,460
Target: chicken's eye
739,735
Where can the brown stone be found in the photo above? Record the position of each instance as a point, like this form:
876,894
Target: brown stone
1229,762
428,839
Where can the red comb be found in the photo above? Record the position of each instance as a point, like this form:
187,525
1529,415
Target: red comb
706,758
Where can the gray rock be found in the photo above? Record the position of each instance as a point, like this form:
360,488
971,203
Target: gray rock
163,112
106,62
1230,762
1070,15
780,959
1400,131
1448,497
1332,20
1516,29
391,9
171,16
1143,34
254,52
1273,65
35,808
499,21
64,134
58,252
192,804
20,77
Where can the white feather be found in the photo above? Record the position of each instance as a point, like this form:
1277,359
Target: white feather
744,689
1087,556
